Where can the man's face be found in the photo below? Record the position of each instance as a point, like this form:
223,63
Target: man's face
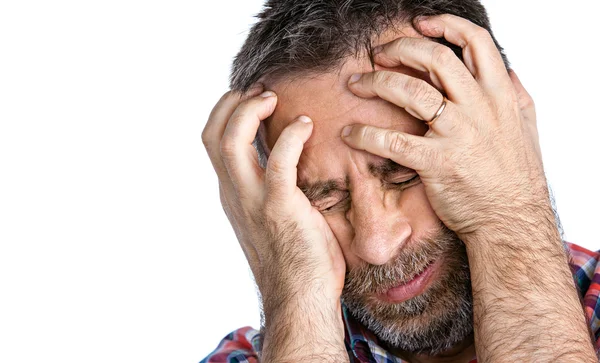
408,277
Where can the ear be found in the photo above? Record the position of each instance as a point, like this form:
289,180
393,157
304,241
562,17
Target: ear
260,144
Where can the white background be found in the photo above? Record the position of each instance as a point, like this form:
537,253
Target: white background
114,247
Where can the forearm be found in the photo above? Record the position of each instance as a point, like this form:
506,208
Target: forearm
303,331
525,303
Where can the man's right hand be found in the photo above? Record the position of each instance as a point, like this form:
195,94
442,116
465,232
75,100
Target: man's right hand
297,263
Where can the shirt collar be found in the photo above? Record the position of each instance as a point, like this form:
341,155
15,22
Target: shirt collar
363,343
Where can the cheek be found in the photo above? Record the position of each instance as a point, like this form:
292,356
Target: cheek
416,208
344,233
413,205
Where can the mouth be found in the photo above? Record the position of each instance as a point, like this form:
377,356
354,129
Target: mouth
414,287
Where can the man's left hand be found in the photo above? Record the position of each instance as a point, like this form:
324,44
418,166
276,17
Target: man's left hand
481,167
483,150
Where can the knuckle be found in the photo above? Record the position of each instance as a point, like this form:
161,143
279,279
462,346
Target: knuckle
245,108
275,168
447,17
227,147
441,55
385,80
528,101
396,142
239,112
363,135
206,137
480,34
220,104
417,89
227,95
399,44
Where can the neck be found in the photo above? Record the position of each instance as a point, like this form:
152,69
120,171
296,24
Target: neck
463,352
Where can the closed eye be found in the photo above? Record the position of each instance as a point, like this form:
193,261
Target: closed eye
333,204
406,183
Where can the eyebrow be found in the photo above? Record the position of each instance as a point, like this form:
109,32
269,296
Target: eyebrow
388,168
324,188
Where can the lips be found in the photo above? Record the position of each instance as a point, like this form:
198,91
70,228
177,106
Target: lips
414,287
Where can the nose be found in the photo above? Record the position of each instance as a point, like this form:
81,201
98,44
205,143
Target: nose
380,228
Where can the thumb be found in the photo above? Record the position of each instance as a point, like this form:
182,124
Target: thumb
281,171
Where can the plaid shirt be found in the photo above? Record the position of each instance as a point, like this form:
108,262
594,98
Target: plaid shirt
242,345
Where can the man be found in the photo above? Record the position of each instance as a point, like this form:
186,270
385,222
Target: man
398,170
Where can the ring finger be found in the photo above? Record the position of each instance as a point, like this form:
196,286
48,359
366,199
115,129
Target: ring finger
417,97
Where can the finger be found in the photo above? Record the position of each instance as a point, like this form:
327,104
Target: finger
445,69
238,153
480,54
217,121
415,152
281,173
525,101
527,107
416,96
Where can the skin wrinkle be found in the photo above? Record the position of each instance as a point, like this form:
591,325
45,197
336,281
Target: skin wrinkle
272,121
337,89
322,189
416,325
395,242
382,246
383,229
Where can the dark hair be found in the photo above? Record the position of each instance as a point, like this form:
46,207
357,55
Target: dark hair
295,37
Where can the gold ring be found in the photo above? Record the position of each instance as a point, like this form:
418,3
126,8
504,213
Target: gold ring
439,112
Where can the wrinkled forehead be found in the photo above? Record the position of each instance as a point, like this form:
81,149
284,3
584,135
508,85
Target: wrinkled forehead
328,102
326,99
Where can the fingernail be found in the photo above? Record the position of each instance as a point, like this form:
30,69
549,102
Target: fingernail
346,131
377,49
355,78
267,94
304,119
422,18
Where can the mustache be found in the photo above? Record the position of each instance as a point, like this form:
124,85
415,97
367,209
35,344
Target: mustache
414,259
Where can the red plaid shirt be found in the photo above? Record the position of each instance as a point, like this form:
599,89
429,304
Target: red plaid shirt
242,345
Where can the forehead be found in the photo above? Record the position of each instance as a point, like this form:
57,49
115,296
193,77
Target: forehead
326,99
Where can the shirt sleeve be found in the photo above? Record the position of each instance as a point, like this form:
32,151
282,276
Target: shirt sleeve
239,346
585,266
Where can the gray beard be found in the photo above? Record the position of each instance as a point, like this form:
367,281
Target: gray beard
430,323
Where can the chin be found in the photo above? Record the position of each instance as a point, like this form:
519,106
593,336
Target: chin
432,322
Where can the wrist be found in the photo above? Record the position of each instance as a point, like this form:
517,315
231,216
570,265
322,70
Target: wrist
531,225
525,204
303,331
520,268
516,246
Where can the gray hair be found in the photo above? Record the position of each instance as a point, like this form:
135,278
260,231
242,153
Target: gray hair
309,37
303,37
